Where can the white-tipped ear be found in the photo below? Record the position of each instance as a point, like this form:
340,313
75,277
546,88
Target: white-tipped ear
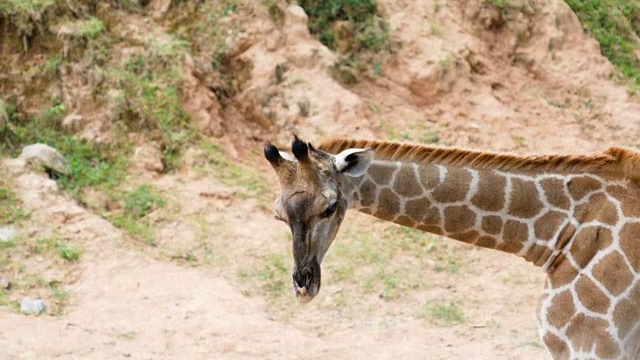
287,156
353,162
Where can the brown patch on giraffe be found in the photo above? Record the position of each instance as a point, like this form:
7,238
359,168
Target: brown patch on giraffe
515,232
429,176
619,192
585,331
536,254
527,204
612,272
625,315
388,204
366,210
468,237
455,186
546,227
590,296
406,182
587,242
405,220
458,219
492,225
431,216
628,199
490,195
487,242
368,193
416,208
555,193
433,229
565,236
382,174
629,244
555,344
543,257
600,208
562,273
561,310
579,187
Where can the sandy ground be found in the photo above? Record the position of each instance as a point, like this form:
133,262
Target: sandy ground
469,83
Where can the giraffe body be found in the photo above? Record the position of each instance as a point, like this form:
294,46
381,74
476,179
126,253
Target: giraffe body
578,218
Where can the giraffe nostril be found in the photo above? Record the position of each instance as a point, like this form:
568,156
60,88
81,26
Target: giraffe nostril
304,277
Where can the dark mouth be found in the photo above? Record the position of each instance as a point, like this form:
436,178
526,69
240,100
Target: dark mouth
306,282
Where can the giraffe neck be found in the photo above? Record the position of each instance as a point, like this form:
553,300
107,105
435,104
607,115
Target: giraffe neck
531,215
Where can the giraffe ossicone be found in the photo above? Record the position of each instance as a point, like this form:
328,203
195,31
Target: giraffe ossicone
576,217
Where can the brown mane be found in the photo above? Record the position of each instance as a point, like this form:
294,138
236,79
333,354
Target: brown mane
615,162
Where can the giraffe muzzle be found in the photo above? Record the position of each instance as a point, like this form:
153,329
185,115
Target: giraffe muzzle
306,282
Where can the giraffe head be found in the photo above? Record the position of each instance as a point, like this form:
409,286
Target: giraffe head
313,203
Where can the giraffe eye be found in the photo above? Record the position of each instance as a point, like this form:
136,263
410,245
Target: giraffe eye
330,210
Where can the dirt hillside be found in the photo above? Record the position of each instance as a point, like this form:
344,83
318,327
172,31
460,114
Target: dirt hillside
162,243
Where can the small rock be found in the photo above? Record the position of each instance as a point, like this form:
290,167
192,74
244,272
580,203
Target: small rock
44,155
7,233
29,306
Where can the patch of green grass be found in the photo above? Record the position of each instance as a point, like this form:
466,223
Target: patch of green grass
615,24
368,34
60,300
232,174
89,29
69,253
445,313
27,15
138,203
90,164
272,276
30,274
150,103
11,211
418,131
51,244
500,4
388,263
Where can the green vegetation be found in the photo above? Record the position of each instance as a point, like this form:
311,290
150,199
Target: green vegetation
149,101
381,264
616,26
445,313
90,165
354,28
272,276
500,4
251,181
137,204
10,207
27,15
55,244
324,14
18,261
419,131
60,300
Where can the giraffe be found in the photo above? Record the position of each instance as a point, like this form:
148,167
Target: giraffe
575,217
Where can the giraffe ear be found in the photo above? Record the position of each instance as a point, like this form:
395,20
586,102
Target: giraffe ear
353,162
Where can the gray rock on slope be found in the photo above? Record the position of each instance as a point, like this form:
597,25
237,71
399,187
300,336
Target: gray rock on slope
29,306
46,156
